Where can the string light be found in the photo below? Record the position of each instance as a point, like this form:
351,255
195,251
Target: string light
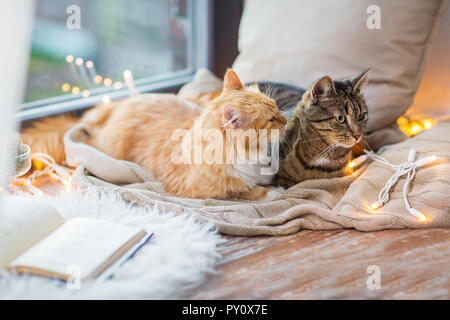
415,126
106,99
402,121
75,90
107,82
376,205
408,168
98,79
51,168
357,161
65,87
79,61
69,58
128,76
68,183
428,123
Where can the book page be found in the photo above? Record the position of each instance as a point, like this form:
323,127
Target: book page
30,221
81,243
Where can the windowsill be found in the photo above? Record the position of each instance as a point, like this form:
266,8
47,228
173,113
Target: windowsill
83,103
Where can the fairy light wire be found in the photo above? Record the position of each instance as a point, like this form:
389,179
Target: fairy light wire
407,168
52,169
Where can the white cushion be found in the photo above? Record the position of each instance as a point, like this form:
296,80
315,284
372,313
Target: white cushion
297,42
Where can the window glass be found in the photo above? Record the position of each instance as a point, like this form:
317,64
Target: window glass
81,47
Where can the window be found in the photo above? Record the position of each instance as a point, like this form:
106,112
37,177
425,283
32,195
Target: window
81,48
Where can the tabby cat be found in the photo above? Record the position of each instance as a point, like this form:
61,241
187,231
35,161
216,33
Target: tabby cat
325,122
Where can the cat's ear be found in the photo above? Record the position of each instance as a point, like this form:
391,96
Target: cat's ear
232,117
359,80
321,88
231,81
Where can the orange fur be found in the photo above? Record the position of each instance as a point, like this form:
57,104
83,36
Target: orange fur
139,129
47,135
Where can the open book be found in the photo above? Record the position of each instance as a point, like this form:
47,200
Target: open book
83,247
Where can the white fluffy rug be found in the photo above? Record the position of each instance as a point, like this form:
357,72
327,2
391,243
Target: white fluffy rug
176,259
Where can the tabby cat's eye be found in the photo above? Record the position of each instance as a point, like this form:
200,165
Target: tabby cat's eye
340,119
362,116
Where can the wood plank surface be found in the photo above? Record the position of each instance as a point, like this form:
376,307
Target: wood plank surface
414,264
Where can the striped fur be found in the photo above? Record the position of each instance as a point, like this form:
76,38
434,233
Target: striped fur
315,144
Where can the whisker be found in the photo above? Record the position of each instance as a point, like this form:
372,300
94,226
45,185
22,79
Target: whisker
325,151
366,143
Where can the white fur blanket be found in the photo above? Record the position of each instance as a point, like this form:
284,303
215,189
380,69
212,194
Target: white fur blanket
176,259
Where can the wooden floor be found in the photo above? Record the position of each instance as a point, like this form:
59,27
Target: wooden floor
413,264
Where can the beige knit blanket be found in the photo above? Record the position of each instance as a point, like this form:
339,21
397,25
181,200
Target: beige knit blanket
315,204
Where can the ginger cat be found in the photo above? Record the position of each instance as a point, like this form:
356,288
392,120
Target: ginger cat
140,129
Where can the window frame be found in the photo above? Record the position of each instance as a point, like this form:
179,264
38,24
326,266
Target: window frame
199,54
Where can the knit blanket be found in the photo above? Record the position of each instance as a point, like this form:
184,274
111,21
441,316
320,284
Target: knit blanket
321,204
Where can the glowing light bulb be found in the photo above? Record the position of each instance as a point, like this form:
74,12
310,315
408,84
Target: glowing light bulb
415,128
419,215
75,90
427,123
98,79
69,58
89,64
67,184
86,93
376,205
106,99
117,85
127,74
107,82
79,61
65,87
357,161
402,121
